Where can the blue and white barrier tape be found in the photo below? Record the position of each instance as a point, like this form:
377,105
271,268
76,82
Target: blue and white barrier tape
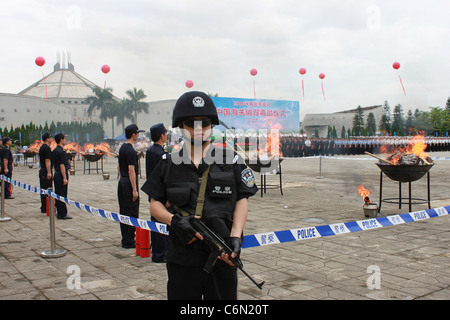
268,238
144,224
260,239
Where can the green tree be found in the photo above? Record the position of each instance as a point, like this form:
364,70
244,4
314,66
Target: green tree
358,121
409,123
385,121
371,124
101,99
398,122
124,112
343,132
136,105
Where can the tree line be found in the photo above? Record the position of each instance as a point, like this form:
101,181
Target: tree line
435,122
76,132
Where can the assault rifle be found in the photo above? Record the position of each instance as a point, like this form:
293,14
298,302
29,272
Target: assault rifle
217,245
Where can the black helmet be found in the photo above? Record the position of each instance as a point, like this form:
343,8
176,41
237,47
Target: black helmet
194,104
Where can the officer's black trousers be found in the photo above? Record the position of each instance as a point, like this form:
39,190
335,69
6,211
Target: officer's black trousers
159,243
44,184
61,190
192,283
127,207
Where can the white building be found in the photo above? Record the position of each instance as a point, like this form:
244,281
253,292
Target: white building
321,121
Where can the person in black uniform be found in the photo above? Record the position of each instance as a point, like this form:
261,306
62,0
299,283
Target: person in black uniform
174,187
127,190
159,241
6,165
45,173
61,176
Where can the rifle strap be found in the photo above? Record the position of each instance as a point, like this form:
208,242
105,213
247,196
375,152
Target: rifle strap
200,197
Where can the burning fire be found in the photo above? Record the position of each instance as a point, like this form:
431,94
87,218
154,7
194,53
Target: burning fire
75,147
101,148
272,148
416,147
364,192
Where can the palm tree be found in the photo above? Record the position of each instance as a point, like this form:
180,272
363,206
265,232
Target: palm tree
135,102
113,110
123,112
99,101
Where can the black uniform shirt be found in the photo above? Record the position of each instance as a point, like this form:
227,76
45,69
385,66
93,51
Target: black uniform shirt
5,152
44,153
179,182
127,157
60,157
152,157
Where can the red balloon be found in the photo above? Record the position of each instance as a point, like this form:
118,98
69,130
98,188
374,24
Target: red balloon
105,68
189,84
40,61
253,72
321,76
396,65
302,71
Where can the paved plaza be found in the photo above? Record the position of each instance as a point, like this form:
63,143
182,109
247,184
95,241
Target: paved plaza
411,260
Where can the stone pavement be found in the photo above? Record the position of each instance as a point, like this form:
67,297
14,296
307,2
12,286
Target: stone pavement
413,258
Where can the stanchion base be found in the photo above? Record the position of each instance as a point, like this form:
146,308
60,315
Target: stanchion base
53,254
5,219
320,177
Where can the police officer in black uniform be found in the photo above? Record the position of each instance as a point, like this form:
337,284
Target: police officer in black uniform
45,172
6,166
158,134
127,189
61,176
174,187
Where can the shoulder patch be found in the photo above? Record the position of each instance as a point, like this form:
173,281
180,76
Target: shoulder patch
248,177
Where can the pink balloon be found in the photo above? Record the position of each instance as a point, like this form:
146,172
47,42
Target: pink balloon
396,65
322,76
253,72
105,68
302,71
40,61
189,84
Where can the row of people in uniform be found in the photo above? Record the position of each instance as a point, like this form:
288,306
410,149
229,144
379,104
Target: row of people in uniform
305,147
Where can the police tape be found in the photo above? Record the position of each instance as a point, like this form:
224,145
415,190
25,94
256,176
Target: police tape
144,224
268,238
259,239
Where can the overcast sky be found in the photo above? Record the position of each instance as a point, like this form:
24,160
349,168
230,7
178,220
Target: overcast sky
158,45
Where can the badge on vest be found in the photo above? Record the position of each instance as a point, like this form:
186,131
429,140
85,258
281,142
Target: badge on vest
221,191
248,177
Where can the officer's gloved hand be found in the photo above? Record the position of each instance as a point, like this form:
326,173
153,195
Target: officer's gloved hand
183,228
235,244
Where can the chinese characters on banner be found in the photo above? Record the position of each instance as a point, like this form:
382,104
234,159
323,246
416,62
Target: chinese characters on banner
258,114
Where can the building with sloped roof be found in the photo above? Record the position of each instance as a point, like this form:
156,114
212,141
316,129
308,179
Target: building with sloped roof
61,97
66,87
321,121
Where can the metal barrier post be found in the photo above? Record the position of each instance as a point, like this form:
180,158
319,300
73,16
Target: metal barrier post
2,214
53,252
320,169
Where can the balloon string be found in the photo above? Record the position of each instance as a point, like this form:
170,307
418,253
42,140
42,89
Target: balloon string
401,82
323,92
303,90
45,82
254,89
